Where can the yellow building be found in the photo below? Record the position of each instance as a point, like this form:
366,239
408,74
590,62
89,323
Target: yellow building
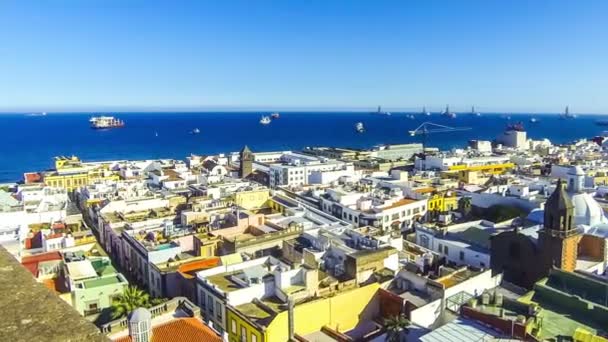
494,169
443,202
253,199
267,321
70,173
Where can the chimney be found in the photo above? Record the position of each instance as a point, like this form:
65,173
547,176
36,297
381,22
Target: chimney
290,319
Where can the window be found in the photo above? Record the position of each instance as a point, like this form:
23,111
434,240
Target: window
440,248
210,301
254,338
356,219
424,241
243,334
461,255
233,326
202,296
445,250
482,265
219,311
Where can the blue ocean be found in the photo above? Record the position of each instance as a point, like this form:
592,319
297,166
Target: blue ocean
29,143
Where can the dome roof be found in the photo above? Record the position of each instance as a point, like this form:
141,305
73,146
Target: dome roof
140,314
587,211
536,216
576,170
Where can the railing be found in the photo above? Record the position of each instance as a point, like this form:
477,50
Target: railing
168,306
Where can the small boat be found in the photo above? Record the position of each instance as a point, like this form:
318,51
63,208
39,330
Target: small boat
265,120
275,115
533,120
195,131
156,134
410,116
359,127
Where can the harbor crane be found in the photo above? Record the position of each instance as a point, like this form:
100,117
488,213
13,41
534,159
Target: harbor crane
428,127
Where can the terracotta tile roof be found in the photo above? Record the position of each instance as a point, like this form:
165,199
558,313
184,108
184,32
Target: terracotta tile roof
180,330
199,265
32,177
31,262
425,190
399,203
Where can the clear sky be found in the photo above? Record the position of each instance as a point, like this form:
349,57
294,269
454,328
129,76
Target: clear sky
498,55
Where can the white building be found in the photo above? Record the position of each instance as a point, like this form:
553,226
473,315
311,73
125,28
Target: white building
444,162
296,169
513,138
364,205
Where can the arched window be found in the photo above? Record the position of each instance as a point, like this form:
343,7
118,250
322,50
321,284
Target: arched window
424,241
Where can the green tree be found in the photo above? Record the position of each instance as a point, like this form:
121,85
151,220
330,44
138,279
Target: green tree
465,205
395,326
131,299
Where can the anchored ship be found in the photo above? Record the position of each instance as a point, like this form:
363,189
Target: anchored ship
105,122
447,113
379,111
474,112
275,115
567,114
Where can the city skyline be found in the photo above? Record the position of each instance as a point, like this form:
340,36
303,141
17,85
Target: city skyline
132,56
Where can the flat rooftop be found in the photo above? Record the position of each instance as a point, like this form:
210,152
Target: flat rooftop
88,284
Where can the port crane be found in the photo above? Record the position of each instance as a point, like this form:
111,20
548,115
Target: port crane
427,128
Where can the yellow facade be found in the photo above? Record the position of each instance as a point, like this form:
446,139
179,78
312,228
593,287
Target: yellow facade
251,199
71,174
490,168
442,202
341,312
238,326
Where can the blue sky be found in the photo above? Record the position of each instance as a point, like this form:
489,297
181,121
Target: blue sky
498,55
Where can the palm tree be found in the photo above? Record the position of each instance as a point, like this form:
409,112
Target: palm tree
395,326
131,299
464,205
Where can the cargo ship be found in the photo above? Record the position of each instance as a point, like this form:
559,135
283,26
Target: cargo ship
105,122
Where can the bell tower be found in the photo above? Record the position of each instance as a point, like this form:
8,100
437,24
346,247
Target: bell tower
247,158
559,238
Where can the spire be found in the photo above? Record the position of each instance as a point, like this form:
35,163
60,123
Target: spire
559,199
246,149
558,210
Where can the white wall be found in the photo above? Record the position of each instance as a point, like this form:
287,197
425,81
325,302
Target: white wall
426,315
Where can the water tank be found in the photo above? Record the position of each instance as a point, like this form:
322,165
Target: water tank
140,325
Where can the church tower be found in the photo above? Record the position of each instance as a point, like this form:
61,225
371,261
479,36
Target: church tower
246,162
559,237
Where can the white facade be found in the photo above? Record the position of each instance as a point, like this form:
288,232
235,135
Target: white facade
296,169
514,139
444,162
